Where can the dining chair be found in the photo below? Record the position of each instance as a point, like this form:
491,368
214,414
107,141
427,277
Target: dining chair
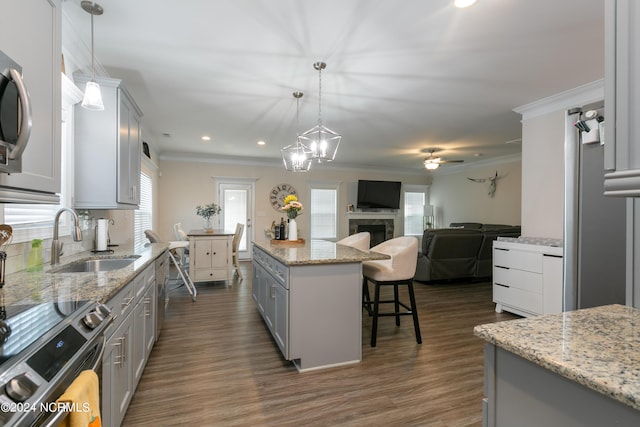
181,235
235,245
396,271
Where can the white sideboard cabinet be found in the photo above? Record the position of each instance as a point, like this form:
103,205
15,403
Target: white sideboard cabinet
108,149
210,256
30,35
527,278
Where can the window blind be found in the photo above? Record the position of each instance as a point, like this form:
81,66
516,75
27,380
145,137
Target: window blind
413,213
143,219
324,213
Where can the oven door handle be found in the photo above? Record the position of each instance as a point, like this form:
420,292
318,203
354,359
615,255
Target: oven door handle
60,415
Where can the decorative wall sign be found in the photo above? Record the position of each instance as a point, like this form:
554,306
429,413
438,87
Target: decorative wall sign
278,193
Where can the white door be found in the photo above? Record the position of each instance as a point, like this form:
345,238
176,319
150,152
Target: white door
236,199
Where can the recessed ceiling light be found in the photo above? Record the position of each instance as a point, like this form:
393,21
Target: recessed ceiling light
206,138
463,3
262,142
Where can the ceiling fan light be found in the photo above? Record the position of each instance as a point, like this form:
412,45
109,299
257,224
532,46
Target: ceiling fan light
431,165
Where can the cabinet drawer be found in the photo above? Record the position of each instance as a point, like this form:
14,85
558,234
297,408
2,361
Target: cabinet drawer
525,280
519,260
210,275
517,298
121,305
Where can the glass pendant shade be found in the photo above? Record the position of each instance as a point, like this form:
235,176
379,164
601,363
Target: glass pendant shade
92,97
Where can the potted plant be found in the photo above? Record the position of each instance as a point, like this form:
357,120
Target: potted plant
206,212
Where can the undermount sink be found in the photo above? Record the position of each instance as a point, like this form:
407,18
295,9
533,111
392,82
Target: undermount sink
97,265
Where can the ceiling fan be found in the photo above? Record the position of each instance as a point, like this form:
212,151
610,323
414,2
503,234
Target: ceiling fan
433,163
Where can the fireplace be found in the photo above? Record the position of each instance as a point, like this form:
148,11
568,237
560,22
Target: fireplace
380,229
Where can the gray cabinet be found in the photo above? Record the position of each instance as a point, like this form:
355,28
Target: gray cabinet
271,294
107,149
129,341
30,35
622,98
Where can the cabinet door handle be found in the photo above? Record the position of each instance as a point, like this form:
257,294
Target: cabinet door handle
118,359
124,348
273,291
208,253
501,249
127,302
500,284
504,268
552,256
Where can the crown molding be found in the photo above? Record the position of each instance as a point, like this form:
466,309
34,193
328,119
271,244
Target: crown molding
576,97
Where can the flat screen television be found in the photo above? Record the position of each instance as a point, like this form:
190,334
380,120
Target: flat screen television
378,194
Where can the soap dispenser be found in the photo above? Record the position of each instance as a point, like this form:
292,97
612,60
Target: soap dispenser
34,261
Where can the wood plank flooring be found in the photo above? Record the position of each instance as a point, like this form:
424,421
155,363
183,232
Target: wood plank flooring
216,364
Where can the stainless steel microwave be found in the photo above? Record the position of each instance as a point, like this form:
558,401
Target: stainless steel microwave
15,115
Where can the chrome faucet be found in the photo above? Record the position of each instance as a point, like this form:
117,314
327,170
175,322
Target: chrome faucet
56,245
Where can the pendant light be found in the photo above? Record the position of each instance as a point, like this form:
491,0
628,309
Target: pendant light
92,96
296,157
322,141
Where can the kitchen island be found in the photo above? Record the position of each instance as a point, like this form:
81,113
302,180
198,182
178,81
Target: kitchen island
578,368
310,296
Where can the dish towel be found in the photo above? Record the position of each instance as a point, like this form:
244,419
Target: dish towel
84,395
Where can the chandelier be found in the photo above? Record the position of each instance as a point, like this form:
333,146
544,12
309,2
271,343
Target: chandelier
296,157
321,141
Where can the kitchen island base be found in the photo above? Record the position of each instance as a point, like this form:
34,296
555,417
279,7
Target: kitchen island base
521,393
310,298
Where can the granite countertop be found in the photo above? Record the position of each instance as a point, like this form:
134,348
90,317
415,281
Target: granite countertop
316,252
596,347
541,241
48,285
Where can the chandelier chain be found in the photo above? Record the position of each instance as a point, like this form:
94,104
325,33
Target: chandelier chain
320,95
93,67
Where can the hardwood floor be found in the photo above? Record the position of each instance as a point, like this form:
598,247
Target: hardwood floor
216,364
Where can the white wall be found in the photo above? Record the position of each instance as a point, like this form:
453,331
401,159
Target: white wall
184,185
543,175
543,158
457,199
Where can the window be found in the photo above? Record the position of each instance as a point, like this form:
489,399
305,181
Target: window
414,201
143,219
324,212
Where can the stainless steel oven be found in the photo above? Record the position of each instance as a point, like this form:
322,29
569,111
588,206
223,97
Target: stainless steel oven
44,348
15,115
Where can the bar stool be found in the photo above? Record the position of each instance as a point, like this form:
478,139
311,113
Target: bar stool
235,245
399,270
358,240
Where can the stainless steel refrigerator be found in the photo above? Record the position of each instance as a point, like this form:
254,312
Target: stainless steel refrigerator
595,225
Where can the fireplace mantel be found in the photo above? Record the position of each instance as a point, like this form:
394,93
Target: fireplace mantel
369,215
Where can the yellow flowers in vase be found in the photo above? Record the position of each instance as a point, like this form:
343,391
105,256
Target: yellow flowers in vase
292,206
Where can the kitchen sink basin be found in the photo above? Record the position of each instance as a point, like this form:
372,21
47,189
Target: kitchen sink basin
96,265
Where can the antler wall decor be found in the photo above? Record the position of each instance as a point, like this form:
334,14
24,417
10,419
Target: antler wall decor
492,183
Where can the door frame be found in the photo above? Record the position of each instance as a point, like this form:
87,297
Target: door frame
250,185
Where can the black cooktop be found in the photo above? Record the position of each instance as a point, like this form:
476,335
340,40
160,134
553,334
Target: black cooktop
21,325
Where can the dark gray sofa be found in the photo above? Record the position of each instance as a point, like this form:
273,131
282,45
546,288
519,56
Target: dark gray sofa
462,251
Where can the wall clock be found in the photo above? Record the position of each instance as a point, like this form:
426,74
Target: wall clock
278,193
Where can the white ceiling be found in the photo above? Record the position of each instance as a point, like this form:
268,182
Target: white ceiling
401,76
